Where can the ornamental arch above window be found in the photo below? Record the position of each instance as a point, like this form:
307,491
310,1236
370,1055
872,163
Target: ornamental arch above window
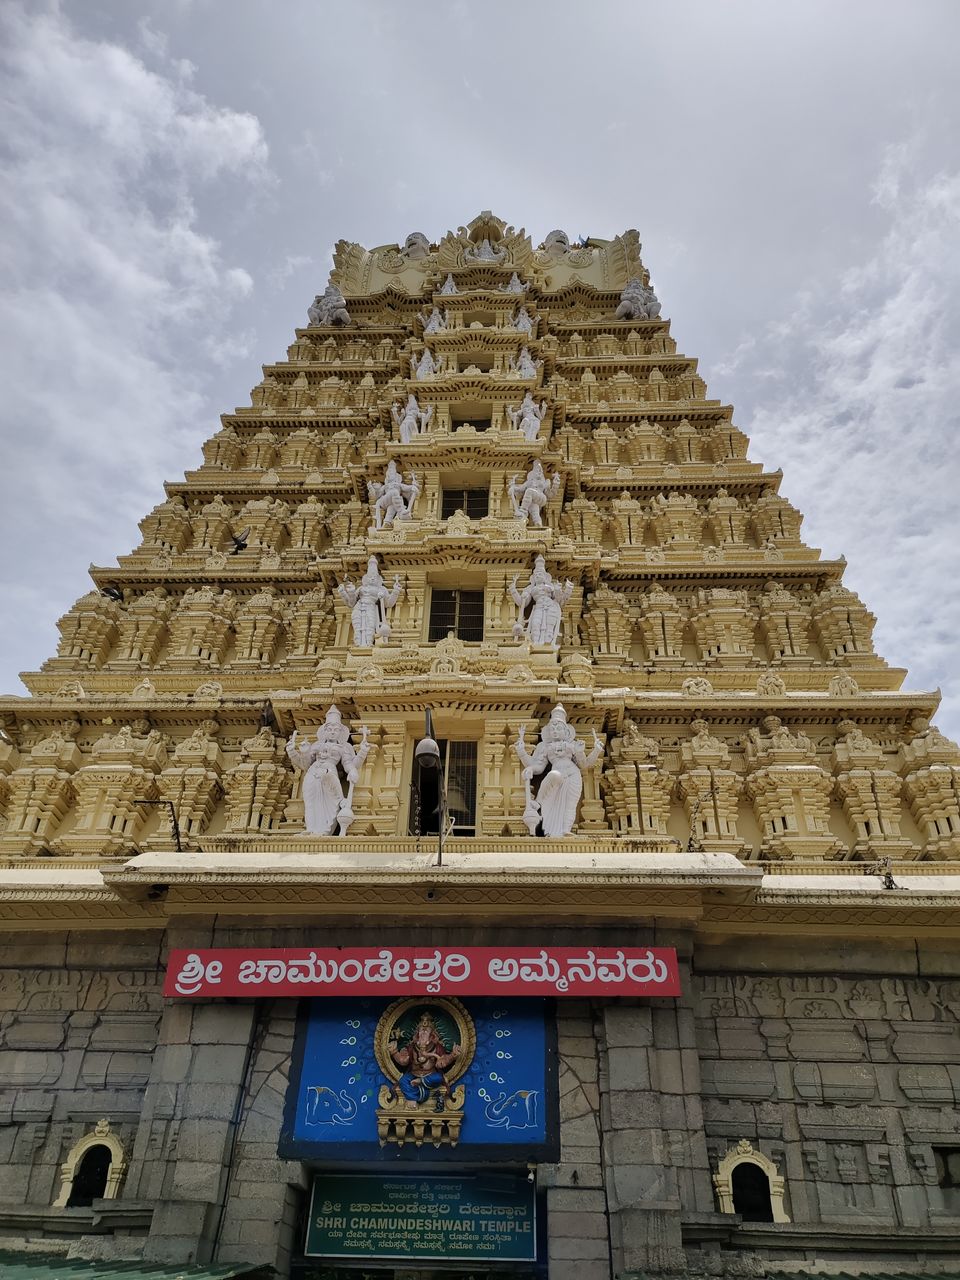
93,1169
748,1183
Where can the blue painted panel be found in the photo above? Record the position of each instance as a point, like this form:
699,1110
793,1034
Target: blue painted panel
506,1087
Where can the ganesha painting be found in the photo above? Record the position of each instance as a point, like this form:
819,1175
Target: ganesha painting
423,1048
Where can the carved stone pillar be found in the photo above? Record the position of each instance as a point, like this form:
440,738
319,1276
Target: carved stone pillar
258,786
142,630
843,625
636,792
191,781
773,518
40,791
661,625
607,627
87,633
724,624
784,623
790,793
931,783
710,791
121,773
259,630
310,628
870,793
201,628
726,519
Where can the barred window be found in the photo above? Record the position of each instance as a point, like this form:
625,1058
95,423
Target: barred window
458,761
475,502
458,611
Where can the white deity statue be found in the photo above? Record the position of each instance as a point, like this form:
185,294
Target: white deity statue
528,417
554,808
394,498
416,247
449,287
369,601
529,498
427,366
638,302
484,252
547,598
412,421
513,285
555,246
436,322
522,321
329,309
325,805
524,366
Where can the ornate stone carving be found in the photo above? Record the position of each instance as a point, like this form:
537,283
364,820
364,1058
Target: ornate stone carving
608,626
530,497
560,757
930,764
638,302
527,418
842,623
191,781
428,366
330,308
258,786
326,806
790,792
524,365
636,790
369,601
393,499
545,598
661,624
435,322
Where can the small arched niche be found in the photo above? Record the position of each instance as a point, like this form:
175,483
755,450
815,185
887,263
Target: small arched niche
749,1184
92,1170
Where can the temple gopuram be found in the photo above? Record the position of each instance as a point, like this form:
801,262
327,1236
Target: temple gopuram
473,834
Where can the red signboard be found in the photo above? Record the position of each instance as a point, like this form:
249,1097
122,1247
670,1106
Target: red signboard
448,971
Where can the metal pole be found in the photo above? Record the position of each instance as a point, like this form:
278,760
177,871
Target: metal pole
173,819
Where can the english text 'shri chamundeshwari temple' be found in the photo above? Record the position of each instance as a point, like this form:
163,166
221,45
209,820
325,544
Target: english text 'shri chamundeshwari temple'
472,834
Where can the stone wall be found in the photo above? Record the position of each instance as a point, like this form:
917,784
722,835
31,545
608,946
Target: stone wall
842,1065
78,1029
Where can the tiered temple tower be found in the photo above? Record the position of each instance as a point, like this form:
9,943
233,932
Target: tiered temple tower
485,484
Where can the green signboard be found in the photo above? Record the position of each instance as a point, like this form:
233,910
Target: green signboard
472,1218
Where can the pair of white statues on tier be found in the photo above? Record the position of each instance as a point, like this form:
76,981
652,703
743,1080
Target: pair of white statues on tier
369,601
393,499
411,420
529,497
329,760
546,598
554,807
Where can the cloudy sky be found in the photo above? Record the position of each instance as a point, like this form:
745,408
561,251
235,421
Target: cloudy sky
174,174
